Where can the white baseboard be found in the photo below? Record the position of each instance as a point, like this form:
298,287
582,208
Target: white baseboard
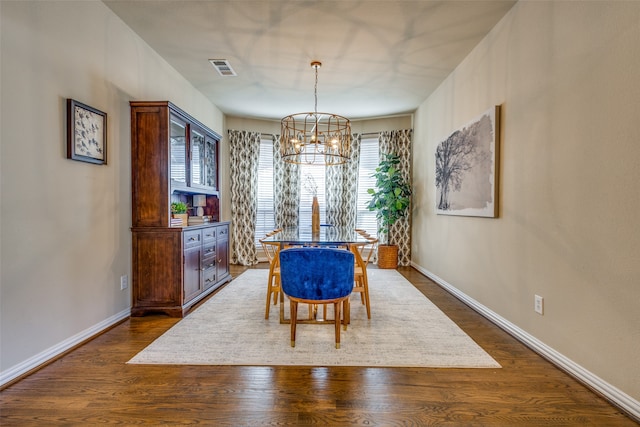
616,396
58,349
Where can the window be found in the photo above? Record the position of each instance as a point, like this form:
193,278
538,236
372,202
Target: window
369,159
265,221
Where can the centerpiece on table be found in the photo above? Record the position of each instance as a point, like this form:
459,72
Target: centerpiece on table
311,186
390,199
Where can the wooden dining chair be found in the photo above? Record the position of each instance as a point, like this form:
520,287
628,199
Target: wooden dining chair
363,254
362,232
317,276
271,250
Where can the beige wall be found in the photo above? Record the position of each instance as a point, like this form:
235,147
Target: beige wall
567,77
65,236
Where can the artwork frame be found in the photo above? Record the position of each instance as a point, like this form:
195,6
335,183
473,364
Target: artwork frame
86,133
467,164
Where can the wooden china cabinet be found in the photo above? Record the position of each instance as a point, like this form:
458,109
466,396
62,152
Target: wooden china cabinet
173,158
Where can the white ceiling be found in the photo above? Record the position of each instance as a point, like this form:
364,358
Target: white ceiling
379,58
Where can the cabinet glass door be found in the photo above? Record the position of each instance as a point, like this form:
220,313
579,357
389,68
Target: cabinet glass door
211,159
178,138
198,158
204,160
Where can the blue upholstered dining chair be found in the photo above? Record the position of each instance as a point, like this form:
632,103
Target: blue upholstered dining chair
317,276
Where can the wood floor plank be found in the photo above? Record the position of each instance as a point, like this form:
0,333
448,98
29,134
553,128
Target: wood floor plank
93,385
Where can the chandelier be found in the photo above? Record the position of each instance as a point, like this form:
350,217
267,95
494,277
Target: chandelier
315,138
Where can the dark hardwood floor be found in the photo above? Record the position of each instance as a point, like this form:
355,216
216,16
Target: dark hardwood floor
93,385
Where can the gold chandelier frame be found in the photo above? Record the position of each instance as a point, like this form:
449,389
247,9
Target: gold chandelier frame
315,138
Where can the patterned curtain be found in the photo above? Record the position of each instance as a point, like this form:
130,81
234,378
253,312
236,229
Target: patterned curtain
342,188
245,155
286,189
399,142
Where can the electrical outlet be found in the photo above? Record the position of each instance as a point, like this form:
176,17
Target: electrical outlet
124,282
538,305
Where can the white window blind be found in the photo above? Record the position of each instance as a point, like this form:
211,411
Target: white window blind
369,159
178,151
265,221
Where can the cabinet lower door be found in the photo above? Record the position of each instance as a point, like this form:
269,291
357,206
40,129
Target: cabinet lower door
222,266
192,282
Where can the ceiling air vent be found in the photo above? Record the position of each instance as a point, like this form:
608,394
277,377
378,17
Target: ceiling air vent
223,67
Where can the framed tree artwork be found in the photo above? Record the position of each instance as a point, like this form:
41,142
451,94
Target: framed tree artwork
86,133
467,168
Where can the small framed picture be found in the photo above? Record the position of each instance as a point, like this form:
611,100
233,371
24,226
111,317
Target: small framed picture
86,133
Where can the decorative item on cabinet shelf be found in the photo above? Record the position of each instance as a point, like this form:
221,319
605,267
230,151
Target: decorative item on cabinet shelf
199,202
179,213
198,220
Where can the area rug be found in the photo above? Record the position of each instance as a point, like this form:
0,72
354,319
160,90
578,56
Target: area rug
405,330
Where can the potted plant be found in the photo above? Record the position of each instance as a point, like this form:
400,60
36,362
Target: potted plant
179,210
390,199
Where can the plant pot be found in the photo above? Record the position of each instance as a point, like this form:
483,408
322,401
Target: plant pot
184,217
388,256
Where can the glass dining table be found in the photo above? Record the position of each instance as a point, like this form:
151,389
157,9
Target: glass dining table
328,236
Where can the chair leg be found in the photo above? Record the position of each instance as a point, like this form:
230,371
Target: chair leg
269,292
276,290
336,306
359,287
294,316
365,292
346,312
266,312
362,286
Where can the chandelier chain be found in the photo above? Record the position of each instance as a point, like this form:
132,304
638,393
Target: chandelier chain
315,89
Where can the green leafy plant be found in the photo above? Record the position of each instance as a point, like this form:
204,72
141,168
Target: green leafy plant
178,207
392,195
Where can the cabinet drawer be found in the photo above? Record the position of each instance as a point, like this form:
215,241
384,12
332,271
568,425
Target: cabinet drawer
208,263
223,231
208,234
209,250
209,276
192,238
